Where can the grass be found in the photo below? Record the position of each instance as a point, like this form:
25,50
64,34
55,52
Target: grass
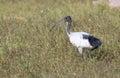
29,50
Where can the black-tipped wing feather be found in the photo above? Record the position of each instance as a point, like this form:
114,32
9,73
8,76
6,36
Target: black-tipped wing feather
95,42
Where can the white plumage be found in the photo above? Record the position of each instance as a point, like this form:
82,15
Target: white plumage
76,38
79,39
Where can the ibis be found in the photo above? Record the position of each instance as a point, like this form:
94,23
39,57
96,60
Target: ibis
79,39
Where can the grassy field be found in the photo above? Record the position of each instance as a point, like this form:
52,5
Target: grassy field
29,50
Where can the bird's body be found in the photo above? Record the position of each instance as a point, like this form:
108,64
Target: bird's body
83,40
80,39
76,38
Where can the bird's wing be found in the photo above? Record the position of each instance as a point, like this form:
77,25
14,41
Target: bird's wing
95,42
86,36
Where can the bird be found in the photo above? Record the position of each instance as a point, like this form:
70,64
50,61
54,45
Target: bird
79,39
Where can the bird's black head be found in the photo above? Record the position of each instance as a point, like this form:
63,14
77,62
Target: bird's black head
67,19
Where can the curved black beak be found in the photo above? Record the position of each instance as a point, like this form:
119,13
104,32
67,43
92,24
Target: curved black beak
58,22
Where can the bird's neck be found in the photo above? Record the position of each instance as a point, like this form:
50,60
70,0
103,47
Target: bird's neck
68,24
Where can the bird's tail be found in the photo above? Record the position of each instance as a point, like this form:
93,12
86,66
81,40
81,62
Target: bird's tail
95,42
